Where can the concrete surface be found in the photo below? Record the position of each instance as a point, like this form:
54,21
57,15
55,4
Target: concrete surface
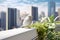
18,34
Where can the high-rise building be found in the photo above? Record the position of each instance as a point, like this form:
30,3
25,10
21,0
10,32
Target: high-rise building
59,13
18,18
12,18
0,22
34,14
43,14
56,14
51,7
3,20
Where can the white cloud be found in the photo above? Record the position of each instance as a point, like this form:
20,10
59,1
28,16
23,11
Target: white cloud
35,0
57,4
24,0
43,6
12,1
24,7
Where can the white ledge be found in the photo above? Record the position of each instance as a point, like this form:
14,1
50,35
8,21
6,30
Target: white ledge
13,32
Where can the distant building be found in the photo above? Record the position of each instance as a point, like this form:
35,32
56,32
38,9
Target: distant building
42,14
12,18
19,22
34,13
0,22
3,20
51,8
59,13
56,14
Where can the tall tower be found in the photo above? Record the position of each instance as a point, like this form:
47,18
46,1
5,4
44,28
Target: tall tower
35,13
12,18
3,20
18,18
59,13
0,22
51,7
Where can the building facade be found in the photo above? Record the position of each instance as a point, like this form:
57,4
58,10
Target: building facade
3,20
19,22
59,13
12,18
51,8
42,14
0,22
34,13
56,14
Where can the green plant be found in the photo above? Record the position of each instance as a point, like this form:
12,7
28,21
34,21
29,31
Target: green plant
45,30
53,35
51,18
57,35
41,29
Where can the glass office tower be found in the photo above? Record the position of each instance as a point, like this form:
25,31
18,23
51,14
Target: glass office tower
35,13
51,7
12,18
3,20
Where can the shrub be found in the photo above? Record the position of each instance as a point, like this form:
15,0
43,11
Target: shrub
41,29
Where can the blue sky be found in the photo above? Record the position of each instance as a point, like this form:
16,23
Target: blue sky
42,4
24,2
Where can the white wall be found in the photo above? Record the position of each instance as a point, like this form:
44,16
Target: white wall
23,34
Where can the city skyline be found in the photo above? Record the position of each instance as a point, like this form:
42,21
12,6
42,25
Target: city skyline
19,2
9,19
25,2
48,8
51,7
23,5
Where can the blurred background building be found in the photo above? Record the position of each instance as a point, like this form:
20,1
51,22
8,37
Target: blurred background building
12,18
3,20
34,13
59,13
51,7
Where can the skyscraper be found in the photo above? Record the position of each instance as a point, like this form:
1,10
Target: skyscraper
34,13
12,21
3,20
51,7
59,13
56,14
18,18
0,22
43,14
